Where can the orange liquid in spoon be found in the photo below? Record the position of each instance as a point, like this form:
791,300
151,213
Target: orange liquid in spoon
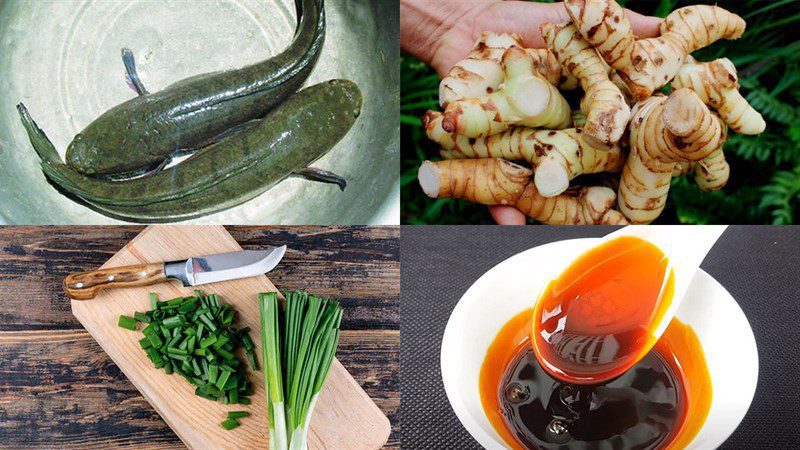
598,318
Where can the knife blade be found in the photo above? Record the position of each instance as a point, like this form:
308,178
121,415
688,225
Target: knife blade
193,271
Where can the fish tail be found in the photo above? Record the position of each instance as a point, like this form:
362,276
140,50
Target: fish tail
50,160
41,143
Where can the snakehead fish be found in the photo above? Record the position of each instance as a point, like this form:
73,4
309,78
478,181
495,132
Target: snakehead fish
146,130
222,175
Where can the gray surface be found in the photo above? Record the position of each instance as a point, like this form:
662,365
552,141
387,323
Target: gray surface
758,265
62,59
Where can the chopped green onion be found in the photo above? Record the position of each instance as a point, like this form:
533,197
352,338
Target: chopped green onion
247,342
141,317
230,424
153,300
145,343
195,338
155,339
238,414
252,358
129,323
208,341
196,368
222,378
172,322
225,354
204,318
212,373
221,340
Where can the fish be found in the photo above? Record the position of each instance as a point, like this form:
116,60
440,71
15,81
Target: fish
232,171
142,133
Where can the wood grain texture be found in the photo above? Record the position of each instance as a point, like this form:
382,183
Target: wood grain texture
60,389
85,285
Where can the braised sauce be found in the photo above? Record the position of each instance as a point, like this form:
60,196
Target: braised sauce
598,318
661,402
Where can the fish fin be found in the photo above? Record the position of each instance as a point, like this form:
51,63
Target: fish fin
236,129
314,174
157,167
139,173
131,74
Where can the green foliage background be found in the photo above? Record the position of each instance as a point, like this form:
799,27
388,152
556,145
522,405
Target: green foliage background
764,185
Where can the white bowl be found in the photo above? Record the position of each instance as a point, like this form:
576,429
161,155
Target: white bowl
512,286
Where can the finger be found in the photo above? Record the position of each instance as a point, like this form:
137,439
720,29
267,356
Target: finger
454,48
507,215
643,26
524,18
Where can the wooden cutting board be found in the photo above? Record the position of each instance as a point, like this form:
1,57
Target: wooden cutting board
345,417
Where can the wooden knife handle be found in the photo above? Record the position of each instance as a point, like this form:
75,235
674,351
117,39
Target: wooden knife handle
84,285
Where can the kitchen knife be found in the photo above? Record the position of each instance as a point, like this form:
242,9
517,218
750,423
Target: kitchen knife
191,272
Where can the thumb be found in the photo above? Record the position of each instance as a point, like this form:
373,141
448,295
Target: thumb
643,26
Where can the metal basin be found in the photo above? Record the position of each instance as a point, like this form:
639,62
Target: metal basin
62,59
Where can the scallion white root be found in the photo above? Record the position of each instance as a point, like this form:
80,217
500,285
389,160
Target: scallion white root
298,346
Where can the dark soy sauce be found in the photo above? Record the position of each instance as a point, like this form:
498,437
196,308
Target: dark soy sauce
641,409
661,402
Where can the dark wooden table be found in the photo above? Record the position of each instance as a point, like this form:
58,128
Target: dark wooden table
59,389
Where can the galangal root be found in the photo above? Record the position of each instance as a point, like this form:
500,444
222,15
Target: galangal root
717,84
648,64
502,103
526,98
481,72
607,114
558,155
495,181
664,132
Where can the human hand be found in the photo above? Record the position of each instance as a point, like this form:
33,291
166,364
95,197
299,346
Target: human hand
442,33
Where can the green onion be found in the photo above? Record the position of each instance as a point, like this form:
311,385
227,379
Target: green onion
230,424
154,339
213,370
141,317
195,338
252,358
172,322
238,414
208,341
129,323
297,349
223,378
225,354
